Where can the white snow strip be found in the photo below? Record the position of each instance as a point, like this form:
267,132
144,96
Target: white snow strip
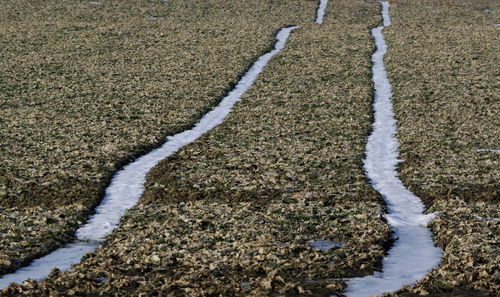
488,150
386,21
321,11
413,254
61,258
127,184
487,219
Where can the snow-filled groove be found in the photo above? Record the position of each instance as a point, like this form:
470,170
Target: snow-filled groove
127,184
321,11
413,254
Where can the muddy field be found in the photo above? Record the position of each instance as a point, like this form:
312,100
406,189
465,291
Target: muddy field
243,210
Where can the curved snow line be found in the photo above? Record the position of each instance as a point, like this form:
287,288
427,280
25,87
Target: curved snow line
321,11
413,254
127,184
488,150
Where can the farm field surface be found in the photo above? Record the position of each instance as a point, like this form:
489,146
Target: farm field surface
86,87
274,201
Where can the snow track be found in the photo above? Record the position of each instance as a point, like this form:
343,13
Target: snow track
321,11
413,254
127,184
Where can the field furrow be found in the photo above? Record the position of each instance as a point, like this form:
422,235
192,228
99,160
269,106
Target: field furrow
127,185
413,253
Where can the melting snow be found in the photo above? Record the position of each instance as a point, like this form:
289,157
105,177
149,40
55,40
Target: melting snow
61,258
128,184
413,254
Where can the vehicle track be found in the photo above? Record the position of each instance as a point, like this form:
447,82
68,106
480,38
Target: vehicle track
128,184
413,254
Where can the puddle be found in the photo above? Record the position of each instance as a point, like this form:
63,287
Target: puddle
324,245
487,219
102,279
245,285
489,150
